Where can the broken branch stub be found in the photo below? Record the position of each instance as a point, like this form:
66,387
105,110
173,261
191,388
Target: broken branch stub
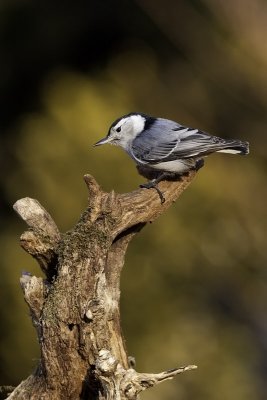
76,311
119,383
43,237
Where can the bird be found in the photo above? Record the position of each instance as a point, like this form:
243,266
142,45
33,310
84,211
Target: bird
165,145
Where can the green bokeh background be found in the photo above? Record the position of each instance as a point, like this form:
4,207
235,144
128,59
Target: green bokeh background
194,287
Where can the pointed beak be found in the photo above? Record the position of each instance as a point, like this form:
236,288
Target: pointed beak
103,141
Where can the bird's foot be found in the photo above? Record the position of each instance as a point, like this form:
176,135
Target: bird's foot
153,185
199,164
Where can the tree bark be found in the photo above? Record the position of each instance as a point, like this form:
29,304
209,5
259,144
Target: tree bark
75,310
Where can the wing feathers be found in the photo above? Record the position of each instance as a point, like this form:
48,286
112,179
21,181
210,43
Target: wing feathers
167,141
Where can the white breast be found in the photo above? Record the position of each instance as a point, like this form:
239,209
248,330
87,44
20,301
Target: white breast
176,166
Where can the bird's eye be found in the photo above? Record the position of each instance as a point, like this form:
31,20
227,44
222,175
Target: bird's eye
118,129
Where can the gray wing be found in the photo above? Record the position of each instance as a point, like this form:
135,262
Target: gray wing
167,140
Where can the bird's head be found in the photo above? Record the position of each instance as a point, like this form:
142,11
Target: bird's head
125,129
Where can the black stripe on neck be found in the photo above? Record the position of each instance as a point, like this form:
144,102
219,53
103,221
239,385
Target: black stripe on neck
149,121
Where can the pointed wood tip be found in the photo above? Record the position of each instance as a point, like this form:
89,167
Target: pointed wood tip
93,187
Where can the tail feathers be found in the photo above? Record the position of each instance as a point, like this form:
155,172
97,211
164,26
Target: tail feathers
235,147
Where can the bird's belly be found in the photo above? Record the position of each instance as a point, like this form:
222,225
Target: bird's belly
172,166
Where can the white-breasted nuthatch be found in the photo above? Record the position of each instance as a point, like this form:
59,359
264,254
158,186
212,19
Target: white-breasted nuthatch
165,145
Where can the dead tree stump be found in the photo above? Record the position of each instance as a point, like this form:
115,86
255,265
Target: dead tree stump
75,310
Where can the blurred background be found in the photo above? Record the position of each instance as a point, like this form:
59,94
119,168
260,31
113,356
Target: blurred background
194,287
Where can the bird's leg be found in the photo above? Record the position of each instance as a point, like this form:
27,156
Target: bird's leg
153,184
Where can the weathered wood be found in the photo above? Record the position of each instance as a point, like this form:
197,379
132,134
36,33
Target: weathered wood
43,237
76,310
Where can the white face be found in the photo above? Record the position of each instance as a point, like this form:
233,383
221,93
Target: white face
125,131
